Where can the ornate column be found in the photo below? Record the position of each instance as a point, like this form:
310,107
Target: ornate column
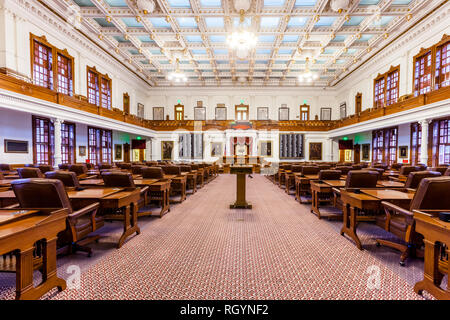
148,151
424,141
57,127
330,151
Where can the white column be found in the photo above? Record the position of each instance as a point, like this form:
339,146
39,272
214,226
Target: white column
424,141
148,149
330,149
57,126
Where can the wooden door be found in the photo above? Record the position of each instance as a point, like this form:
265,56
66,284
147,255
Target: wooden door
179,112
241,112
126,103
126,152
358,103
356,155
304,112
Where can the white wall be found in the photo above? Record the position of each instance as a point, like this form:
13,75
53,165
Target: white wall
16,125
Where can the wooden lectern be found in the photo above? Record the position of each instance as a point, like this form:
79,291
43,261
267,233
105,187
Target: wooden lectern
240,172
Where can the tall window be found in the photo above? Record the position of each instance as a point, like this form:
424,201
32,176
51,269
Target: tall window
390,147
416,142
444,142
377,146
304,112
65,78
422,74
98,88
52,68
99,145
43,141
67,142
386,88
442,66
379,93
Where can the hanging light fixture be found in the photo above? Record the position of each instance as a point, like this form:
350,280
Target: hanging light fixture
339,5
177,75
147,6
242,40
307,75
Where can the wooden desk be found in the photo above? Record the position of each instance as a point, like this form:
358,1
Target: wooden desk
96,193
5,182
160,191
241,174
367,200
192,180
144,182
19,233
7,198
435,232
335,183
323,188
91,182
391,184
127,199
11,177
302,185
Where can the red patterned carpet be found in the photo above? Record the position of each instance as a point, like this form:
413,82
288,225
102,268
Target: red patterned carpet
204,250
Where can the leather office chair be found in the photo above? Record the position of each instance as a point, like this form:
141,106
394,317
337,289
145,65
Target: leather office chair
406,170
431,194
310,170
381,166
396,166
119,179
25,173
30,165
439,169
5,167
45,168
80,169
63,166
324,166
68,178
177,185
152,173
415,177
50,193
421,167
329,175
137,169
89,166
447,172
344,169
102,166
356,179
126,166
356,167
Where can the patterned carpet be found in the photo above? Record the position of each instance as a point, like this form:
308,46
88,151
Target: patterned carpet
204,250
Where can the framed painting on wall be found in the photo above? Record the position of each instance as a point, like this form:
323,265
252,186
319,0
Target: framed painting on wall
283,114
140,110
262,113
325,113
82,151
199,113
403,152
158,113
166,150
221,113
343,110
365,152
265,148
315,151
117,152
216,149
16,146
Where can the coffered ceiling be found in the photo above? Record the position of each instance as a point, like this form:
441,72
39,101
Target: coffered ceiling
289,32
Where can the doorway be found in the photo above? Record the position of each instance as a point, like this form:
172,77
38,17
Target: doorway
126,152
138,149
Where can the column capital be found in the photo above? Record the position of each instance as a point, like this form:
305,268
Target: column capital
425,122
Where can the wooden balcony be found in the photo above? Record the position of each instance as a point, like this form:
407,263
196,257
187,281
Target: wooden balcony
14,84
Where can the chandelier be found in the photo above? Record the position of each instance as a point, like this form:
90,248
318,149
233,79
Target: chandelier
242,40
339,5
177,75
307,75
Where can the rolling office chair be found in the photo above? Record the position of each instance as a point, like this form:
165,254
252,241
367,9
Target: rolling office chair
68,178
431,194
25,173
50,193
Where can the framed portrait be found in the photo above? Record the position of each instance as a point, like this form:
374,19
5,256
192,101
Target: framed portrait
348,155
158,113
166,150
140,110
365,149
343,110
263,113
216,149
16,146
199,113
315,151
283,114
117,152
403,152
265,148
325,113
221,113
82,151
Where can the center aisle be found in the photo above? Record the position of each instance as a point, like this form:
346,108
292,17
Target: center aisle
204,250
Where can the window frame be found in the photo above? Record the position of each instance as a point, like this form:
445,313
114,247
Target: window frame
99,145
383,78
415,143
99,78
246,112
175,111
304,112
50,158
71,150
55,72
